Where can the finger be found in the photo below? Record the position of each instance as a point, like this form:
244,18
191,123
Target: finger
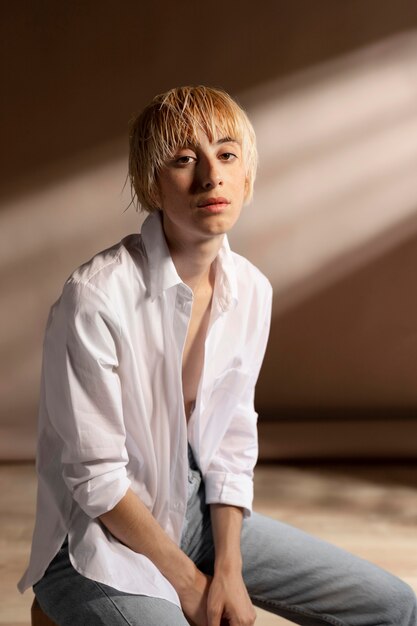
214,617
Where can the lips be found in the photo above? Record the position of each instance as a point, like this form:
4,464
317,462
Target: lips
212,202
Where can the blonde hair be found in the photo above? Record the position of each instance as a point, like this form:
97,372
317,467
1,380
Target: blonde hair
171,121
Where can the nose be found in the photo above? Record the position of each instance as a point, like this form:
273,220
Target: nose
210,175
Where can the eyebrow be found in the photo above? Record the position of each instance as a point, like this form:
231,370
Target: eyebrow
216,143
226,140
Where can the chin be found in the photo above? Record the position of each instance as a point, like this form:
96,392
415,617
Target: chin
218,228
220,224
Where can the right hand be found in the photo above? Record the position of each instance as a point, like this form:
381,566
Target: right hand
194,599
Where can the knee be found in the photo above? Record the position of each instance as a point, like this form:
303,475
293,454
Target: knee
400,605
409,606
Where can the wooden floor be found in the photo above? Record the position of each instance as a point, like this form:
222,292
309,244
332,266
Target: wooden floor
370,510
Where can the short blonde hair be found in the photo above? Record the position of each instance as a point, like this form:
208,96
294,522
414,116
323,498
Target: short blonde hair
171,121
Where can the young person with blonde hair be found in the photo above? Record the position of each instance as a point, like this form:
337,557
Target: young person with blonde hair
147,427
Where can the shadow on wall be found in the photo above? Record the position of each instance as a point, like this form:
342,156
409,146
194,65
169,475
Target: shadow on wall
336,193
74,73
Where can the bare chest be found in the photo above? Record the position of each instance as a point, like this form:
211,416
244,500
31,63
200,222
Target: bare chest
193,355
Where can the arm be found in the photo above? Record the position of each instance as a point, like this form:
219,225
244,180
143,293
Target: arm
228,470
230,489
134,525
228,597
85,406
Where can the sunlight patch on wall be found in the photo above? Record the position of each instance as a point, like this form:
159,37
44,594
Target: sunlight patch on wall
337,183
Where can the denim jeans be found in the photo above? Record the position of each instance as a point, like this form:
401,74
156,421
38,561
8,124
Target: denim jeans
286,571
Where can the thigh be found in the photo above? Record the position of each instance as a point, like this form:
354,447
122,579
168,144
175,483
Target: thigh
301,577
69,598
310,581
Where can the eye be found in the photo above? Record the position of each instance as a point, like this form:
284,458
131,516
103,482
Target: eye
228,156
185,159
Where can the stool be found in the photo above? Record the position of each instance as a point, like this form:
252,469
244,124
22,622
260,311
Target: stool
38,616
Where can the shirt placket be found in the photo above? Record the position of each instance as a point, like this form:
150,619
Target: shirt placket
179,471
217,311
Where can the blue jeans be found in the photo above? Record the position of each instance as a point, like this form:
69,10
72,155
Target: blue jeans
286,571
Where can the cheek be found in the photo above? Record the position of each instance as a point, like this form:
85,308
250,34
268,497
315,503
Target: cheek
241,180
242,186
177,185
167,192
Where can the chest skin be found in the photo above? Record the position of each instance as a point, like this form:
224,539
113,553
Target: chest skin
193,355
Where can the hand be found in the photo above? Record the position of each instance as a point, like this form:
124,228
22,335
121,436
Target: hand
228,601
194,599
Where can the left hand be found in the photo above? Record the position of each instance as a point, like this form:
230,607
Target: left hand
228,601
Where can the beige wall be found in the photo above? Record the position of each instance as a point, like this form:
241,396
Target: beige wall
351,346
73,74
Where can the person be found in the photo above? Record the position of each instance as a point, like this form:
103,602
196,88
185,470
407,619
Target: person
147,427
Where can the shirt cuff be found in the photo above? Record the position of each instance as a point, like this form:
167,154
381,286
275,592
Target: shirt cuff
232,489
101,493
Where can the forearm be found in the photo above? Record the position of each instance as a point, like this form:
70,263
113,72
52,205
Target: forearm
134,525
228,597
226,523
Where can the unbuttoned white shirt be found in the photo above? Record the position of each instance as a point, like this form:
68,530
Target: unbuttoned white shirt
112,415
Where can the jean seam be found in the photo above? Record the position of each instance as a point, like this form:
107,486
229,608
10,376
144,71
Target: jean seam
296,609
112,602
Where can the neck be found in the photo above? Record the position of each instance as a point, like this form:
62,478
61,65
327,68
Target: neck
194,261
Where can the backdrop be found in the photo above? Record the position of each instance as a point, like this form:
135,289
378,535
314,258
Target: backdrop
331,88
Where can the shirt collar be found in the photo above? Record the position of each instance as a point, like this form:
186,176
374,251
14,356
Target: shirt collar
226,279
163,274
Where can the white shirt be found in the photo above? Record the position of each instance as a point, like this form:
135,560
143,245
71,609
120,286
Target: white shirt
112,413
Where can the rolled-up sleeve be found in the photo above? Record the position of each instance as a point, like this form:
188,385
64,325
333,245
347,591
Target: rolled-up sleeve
229,476
229,479
83,396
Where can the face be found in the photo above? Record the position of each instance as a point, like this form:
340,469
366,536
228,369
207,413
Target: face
201,189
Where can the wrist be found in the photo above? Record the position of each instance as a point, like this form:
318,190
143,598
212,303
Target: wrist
179,569
185,580
228,564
